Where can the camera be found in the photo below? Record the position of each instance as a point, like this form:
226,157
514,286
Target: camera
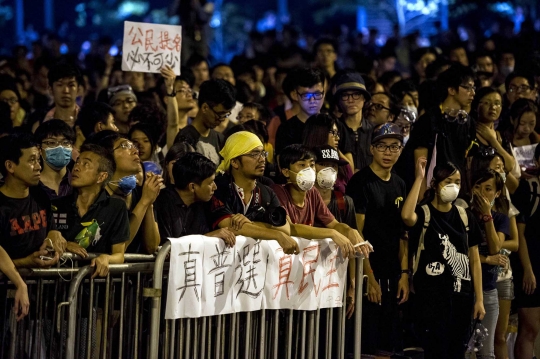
277,216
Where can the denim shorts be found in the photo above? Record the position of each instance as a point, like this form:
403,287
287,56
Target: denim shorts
506,289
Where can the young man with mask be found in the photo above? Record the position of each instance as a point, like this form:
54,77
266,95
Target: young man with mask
378,196
445,128
241,202
350,94
216,101
304,204
309,95
144,233
90,219
56,140
180,206
28,232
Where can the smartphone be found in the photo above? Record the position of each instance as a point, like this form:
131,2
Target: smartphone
51,253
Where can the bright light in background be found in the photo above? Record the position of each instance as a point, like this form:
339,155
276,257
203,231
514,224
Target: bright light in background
129,8
113,51
216,20
425,7
64,49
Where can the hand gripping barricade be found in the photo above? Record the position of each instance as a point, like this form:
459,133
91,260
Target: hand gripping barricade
119,316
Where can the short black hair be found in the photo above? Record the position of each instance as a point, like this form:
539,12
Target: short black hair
294,153
402,88
388,76
152,115
11,147
54,127
149,131
105,139
62,70
264,113
395,109
525,74
91,114
195,60
452,78
216,92
106,160
192,168
325,41
308,77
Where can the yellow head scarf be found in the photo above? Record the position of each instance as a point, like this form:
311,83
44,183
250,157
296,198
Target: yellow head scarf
238,144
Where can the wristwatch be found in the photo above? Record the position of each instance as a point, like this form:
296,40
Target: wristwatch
172,94
486,218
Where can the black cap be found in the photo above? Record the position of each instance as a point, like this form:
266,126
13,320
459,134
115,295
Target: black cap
328,153
350,81
387,130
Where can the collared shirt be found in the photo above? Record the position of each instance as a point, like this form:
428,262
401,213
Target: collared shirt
64,189
360,141
105,224
175,219
227,202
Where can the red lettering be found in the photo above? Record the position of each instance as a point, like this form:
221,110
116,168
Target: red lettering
36,219
43,215
15,228
149,41
135,40
27,224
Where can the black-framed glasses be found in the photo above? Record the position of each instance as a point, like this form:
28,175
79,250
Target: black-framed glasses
126,145
257,155
334,133
378,106
469,88
381,147
307,96
220,116
354,96
10,101
56,143
518,89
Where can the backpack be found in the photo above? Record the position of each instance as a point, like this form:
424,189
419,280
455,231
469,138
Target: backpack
427,217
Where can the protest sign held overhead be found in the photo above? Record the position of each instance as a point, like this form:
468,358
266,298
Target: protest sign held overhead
149,47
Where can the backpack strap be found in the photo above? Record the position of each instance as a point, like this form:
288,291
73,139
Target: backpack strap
340,202
427,217
464,217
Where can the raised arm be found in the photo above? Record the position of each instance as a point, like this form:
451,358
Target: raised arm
407,213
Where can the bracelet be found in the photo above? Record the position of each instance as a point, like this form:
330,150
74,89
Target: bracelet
172,94
405,271
486,218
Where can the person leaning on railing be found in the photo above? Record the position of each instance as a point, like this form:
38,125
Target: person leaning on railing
92,220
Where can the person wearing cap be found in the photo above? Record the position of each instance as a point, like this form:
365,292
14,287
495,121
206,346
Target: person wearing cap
378,196
123,100
241,202
350,93
304,205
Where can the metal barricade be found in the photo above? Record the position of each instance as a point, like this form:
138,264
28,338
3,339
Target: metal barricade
261,334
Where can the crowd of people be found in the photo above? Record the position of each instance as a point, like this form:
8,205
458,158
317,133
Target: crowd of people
434,165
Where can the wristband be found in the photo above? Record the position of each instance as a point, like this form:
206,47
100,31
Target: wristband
486,218
172,94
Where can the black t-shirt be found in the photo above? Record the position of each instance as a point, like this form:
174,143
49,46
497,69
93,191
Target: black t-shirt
491,272
175,219
453,139
105,224
25,222
358,141
381,202
208,146
444,263
288,133
226,201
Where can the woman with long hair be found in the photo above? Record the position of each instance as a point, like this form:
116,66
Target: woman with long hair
444,240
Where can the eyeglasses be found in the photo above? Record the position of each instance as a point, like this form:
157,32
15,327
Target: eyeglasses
220,116
381,147
257,155
10,101
126,146
469,88
185,91
307,96
56,143
377,106
518,89
354,96
491,104
334,133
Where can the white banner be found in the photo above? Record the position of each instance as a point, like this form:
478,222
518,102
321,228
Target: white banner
206,278
149,47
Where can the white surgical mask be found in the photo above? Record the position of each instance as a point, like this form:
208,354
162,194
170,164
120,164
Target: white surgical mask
414,110
449,192
305,179
503,176
326,178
